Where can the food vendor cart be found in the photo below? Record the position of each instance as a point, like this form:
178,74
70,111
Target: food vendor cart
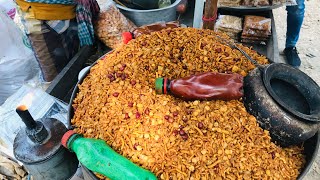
62,87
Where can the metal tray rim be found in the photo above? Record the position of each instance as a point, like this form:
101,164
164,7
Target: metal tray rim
303,173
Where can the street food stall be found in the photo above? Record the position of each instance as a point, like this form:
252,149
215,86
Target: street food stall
158,99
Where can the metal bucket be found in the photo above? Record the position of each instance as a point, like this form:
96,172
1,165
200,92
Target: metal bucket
49,160
142,17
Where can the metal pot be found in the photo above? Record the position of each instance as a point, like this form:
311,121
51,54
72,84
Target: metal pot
141,4
143,17
311,145
45,158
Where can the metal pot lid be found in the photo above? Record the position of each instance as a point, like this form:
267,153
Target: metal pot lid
29,152
299,82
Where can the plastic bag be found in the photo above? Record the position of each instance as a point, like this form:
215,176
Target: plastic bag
10,169
164,3
111,24
256,30
255,33
229,3
147,29
231,25
229,22
256,3
291,3
17,62
250,41
257,23
278,2
9,7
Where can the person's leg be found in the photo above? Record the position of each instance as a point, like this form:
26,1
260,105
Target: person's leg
43,55
294,22
54,51
70,40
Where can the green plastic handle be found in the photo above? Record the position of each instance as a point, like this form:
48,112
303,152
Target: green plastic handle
97,156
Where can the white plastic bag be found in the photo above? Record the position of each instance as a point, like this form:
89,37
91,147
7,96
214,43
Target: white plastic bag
17,62
164,3
231,25
291,2
111,24
9,7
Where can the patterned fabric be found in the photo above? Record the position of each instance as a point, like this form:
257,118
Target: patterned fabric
86,12
59,26
30,24
53,51
34,26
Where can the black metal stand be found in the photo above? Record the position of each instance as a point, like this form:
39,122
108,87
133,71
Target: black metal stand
62,86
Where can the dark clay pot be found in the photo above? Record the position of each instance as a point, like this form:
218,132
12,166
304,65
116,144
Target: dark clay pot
285,101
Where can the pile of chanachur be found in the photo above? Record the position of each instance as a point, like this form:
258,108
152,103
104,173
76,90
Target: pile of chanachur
172,138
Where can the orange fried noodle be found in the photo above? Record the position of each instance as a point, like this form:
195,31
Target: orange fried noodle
172,138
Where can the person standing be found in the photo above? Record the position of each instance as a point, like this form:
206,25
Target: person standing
55,29
295,15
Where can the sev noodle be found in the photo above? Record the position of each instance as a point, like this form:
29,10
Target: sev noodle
125,111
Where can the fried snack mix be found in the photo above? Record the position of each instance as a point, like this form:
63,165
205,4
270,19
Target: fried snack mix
178,139
231,25
111,24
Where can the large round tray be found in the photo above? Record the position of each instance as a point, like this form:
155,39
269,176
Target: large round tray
311,146
252,9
